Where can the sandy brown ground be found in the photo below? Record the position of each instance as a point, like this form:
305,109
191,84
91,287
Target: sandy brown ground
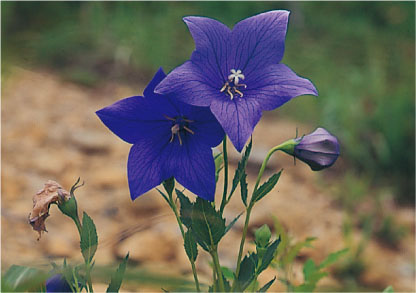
50,131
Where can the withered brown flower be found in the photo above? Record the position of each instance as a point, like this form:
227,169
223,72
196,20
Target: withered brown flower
51,193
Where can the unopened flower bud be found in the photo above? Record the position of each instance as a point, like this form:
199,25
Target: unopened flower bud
57,283
319,149
262,236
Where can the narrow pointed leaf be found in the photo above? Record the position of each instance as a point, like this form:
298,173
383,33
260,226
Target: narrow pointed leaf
331,258
266,187
243,187
186,209
191,248
389,289
164,195
241,167
232,223
117,278
268,256
247,271
294,250
207,223
267,286
22,279
219,165
227,273
89,238
169,184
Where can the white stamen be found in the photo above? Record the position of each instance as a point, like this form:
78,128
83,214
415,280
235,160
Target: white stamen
235,76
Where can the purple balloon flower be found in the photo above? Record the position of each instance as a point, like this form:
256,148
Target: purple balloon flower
57,283
319,150
236,73
170,139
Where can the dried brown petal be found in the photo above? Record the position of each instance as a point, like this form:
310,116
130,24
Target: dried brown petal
51,193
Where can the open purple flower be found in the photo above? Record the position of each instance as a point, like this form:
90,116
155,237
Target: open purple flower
236,73
57,283
319,149
170,139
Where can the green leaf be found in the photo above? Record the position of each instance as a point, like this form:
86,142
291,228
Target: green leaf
243,187
207,224
89,238
268,256
169,184
186,209
389,289
219,165
232,223
294,250
227,273
164,196
247,271
241,167
117,277
190,245
332,258
267,286
22,279
309,268
266,187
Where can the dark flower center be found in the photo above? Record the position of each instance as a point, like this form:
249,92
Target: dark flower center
180,124
232,85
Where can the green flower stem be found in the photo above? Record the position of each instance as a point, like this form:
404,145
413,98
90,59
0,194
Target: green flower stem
286,147
76,281
243,239
88,273
217,267
78,224
87,264
178,219
224,154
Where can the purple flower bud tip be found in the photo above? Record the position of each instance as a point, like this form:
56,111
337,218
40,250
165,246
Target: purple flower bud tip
319,149
57,283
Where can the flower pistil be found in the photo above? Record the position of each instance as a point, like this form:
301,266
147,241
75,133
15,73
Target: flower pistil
232,84
179,124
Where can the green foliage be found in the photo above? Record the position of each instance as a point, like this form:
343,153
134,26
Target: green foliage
191,248
390,232
267,285
389,289
229,226
186,209
169,185
268,256
117,278
207,224
244,189
313,273
227,273
219,165
240,171
89,238
247,271
22,279
266,187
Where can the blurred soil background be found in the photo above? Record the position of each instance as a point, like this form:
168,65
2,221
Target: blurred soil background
62,61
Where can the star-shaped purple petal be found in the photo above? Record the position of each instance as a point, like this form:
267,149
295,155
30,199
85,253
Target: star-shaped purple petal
170,139
237,73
